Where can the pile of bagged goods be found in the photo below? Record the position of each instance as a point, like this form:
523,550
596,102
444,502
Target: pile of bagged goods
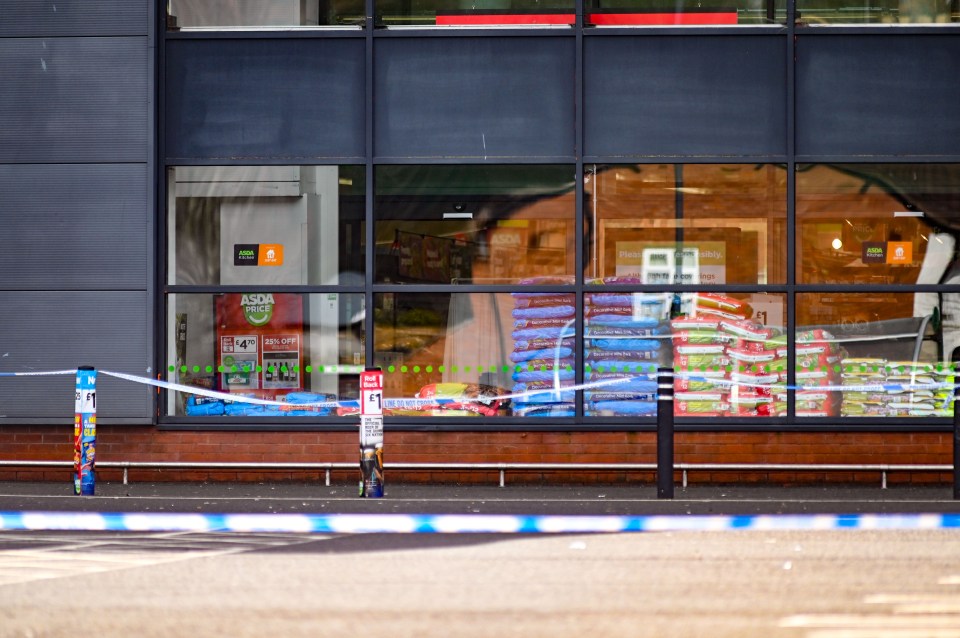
882,388
727,364
622,350
543,352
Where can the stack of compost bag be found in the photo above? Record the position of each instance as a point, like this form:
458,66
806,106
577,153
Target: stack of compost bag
909,388
542,356
622,352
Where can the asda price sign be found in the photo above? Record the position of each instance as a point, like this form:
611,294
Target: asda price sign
257,308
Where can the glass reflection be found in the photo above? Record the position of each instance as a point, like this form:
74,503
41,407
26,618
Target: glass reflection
891,12
877,223
278,354
470,354
262,14
685,13
265,225
686,224
458,13
474,224
867,354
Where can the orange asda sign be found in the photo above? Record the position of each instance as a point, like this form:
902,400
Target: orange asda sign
258,254
899,252
270,255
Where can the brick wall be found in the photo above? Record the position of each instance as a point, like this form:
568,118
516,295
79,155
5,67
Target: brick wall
145,443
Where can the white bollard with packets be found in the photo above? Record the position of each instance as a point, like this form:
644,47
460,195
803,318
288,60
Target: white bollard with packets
371,433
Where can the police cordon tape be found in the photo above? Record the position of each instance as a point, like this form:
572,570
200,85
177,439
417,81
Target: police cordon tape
461,523
410,403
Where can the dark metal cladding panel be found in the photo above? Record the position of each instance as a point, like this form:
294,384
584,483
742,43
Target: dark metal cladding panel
73,226
474,97
50,331
74,99
868,94
681,95
265,99
29,18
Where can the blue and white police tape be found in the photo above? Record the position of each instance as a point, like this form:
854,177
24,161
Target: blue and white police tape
461,523
48,373
415,402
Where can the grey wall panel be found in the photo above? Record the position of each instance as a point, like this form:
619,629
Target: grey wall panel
258,99
73,226
74,99
474,97
44,331
28,18
878,95
679,95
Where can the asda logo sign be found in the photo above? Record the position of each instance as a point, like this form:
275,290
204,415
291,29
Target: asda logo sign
257,308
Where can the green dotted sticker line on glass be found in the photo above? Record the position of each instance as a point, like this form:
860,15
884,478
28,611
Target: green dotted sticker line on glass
529,367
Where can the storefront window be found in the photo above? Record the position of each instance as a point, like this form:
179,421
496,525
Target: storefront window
476,354
870,355
279,354
262,14
825,12
392,13
686,223
474,224
728,352
685,13
265,225
877,223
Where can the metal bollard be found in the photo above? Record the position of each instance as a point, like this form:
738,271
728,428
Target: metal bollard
85,432
371,433
664,432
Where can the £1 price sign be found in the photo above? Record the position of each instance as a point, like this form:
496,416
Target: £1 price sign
371,407
371,433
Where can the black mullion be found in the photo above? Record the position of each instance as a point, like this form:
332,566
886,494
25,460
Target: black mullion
579,248
369,255
791,210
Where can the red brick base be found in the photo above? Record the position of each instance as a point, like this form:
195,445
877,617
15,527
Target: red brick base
145,443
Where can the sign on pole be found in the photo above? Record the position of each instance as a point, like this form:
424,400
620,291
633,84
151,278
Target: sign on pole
85,432
371,433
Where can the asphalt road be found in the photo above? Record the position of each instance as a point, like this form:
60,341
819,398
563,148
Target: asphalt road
716,584
827,584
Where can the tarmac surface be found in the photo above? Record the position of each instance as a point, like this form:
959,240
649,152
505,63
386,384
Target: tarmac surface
592,500
762,582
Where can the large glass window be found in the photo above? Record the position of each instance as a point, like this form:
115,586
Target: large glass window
686,223
473,224
877,223
279,354
869,355
685,12
728,352
825,12
265,225
476,354
392,13
246,240
262,14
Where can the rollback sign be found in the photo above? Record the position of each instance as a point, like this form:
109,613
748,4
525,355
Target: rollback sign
371,433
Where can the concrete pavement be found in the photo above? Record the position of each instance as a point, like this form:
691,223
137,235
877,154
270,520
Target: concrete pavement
595,500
